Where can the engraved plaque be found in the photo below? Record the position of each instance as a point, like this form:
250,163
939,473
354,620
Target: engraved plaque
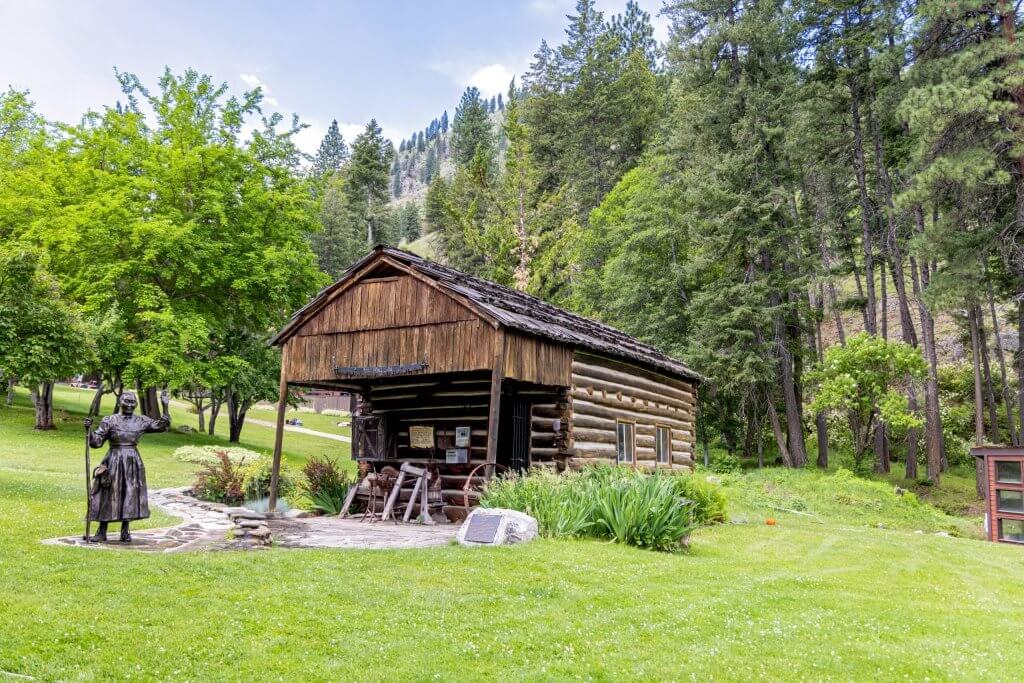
483,528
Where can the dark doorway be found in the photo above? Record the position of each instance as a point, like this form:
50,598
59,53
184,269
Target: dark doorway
514,433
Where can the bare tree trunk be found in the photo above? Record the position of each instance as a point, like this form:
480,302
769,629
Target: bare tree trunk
201,414
236,415
780,438
1020,369
979,420
1004,376
214,411
986,373
97,400
12,383
933,419
42,399
870,317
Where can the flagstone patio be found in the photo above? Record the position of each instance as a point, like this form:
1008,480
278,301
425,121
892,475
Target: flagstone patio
206,526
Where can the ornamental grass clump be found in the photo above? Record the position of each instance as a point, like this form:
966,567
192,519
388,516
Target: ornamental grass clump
656,511
644,511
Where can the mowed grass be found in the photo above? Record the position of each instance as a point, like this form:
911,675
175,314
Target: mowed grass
807,599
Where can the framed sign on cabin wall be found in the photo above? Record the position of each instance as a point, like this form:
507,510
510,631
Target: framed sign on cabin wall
421,436
462,437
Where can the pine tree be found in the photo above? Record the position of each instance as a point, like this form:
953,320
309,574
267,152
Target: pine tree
444,121
366,181
430,167
501,104
421,144
333,152
471,129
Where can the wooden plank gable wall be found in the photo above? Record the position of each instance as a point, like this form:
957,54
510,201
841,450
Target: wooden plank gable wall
388,321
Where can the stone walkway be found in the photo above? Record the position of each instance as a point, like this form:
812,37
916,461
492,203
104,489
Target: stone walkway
205,526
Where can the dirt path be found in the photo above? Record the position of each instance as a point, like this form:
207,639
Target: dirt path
300,430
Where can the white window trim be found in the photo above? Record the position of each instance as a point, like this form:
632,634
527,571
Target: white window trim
658,429
618,444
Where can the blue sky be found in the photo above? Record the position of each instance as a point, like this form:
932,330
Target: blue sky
401,62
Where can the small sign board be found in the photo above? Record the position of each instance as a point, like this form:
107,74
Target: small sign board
456,456
462,436
421,436
483,528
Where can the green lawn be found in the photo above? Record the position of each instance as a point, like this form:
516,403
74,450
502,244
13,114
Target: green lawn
821,595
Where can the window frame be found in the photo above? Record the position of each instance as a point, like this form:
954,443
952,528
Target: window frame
619,424
658,429
999,529
1020,471
1001,510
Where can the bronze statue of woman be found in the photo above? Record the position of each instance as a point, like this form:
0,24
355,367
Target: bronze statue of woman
119,491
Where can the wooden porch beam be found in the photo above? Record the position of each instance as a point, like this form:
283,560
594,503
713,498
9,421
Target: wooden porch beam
494,407
282,408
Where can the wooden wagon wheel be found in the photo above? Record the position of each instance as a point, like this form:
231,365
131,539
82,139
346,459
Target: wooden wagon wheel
466,488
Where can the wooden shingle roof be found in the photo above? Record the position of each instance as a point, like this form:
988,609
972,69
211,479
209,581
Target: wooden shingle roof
508,308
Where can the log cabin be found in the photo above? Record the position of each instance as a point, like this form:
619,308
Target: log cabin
470,377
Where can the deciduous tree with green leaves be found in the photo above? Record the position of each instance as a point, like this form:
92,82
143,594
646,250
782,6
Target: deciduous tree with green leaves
865,380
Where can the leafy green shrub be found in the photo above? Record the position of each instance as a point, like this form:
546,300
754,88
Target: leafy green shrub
208,455
325,484
219,481
256,480
708,498
724,463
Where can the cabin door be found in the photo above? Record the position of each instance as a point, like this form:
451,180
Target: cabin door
514,434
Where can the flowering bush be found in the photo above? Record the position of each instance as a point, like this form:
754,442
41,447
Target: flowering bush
219,481
256,480
325,484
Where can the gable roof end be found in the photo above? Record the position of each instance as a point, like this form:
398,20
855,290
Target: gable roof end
510,308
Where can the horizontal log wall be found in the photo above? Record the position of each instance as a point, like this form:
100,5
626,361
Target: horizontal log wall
605,391
548,445
441,403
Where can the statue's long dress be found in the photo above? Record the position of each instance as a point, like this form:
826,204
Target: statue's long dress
127,497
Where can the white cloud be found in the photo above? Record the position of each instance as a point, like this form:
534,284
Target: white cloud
491,79
253,81
349,131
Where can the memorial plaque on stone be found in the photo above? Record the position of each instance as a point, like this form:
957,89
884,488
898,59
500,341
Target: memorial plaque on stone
483,528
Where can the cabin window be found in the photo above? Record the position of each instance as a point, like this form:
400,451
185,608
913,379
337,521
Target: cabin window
625,445
663,445
1011,530
1010,501
1008,471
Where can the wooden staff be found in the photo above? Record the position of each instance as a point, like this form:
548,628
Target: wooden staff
88,483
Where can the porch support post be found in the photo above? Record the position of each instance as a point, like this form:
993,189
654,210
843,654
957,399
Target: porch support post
494,407
282,408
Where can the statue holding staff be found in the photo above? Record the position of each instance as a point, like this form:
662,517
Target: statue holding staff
118,492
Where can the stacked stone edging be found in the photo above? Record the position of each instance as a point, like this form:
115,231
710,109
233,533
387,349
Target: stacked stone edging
249,527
